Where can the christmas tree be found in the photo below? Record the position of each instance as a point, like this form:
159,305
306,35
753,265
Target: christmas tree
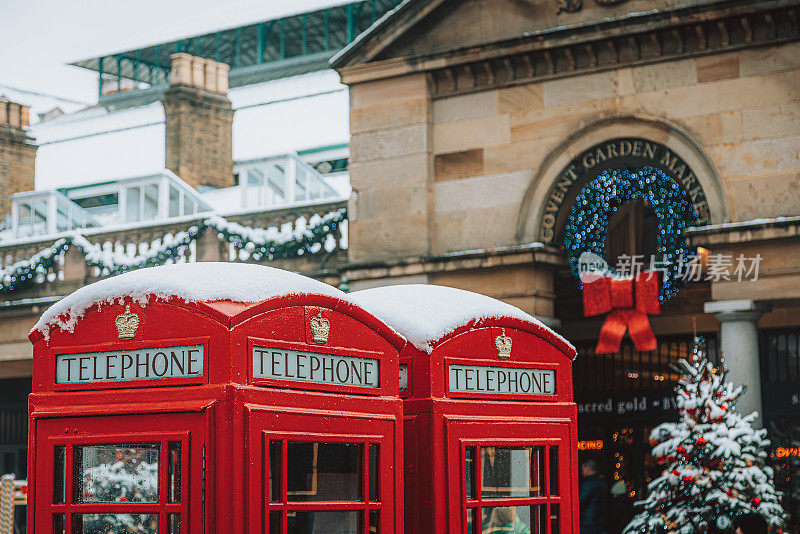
714,460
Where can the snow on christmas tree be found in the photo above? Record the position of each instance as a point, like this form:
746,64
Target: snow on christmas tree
714,459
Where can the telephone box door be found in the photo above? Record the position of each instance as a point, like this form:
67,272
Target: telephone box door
128,473
510,477
321,473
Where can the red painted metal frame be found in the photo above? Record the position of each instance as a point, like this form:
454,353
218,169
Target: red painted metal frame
435,492
548,434
364,431
228,401
72,432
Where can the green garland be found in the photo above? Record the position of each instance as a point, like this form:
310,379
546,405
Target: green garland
257,242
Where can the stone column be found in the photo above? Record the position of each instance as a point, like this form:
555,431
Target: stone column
739,343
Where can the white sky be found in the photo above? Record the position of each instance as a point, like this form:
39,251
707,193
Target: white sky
39,37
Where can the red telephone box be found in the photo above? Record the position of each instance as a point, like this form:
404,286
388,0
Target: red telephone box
490,426
271,410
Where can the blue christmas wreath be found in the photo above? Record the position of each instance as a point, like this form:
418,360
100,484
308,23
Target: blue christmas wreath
604,195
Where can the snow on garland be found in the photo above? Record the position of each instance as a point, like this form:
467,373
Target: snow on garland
260,243
713,459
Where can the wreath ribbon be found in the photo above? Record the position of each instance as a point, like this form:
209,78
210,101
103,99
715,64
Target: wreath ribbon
628,302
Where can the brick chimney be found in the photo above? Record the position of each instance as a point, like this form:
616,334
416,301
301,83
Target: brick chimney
198,120
17,153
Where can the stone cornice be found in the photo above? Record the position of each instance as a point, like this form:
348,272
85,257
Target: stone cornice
639,38
528,254
745,232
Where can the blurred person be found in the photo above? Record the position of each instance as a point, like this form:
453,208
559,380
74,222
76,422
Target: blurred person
620,509
593,499
750,524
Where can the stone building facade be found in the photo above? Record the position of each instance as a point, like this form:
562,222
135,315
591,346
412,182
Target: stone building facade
476,124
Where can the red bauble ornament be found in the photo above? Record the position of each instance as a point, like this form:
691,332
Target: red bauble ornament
701,442
723,408
756,501
681,449
688,479
661,459
675,472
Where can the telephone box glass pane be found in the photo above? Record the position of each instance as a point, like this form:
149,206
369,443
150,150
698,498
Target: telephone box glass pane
323,522
323,471
554,518
116,473
174,523
553,470
516,519
469,469
174,472
275,468
275,523
58,524
104,523
472,520
511,471
374,487
60,475
374,521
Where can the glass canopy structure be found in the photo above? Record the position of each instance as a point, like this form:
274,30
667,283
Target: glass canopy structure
36,213
257,52
125,201
280,180
138,199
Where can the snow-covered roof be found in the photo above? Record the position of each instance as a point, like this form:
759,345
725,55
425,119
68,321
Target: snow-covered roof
424,314
39,103
192,282
271,118
302,112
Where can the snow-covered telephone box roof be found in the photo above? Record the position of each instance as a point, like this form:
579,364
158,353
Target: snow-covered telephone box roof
216,374
426,314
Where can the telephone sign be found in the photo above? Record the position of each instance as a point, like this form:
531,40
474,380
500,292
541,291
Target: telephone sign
140,364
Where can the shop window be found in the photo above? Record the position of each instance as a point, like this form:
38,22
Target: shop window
117,487
780,356
630,369
319,487
511,489
632,231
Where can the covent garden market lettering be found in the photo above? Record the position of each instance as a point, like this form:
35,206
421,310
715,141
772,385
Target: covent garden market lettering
621,153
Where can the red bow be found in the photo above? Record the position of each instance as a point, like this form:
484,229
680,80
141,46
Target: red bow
617,296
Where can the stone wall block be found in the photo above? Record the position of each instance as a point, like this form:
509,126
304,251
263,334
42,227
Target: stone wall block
389,143
470,106
717,67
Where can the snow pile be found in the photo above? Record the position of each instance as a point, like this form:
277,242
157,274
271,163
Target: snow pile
192,282
423,314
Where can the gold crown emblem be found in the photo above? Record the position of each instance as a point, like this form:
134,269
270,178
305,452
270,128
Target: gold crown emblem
127,324
503,344
320,328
